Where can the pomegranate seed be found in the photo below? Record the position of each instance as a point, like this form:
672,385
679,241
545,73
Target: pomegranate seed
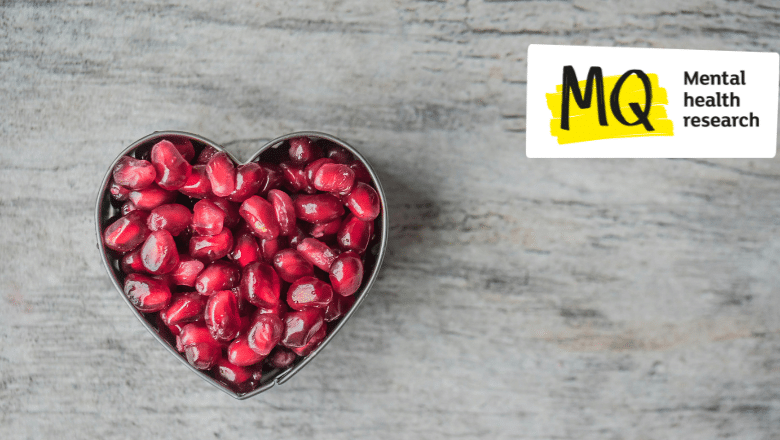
159,254
134,174
198,184
203,356
324,229
363,201
194,333
222,174
338,154
311,169
313,343
361,172
318,208
184,308
222,317
269,248
285,211
173,218
295,178
249,177
211,247
245,250
207,218
296,238
355,234
260,216
231,211
236,377
184,147
303,150
338,307
126,233
219,275
147,294
119,192
335,178
300,326
265,333
128,207
260,285
151,197
290,265
240,354
274,177
172,170
131,262
317,253
346,274
206,155
309,292
281,358
186,273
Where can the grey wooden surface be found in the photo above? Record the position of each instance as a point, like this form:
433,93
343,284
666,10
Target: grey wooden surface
522,299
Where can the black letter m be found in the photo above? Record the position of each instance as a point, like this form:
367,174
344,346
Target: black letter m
570,83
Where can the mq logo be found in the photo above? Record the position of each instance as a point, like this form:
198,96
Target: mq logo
636,104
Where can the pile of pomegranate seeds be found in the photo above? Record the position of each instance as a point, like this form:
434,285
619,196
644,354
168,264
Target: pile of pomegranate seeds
249,266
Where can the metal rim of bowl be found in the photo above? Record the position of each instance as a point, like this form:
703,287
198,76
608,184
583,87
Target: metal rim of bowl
285,375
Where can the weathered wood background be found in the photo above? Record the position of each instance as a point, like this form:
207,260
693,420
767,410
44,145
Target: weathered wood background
523,299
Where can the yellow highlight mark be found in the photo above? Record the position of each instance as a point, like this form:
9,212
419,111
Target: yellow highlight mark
584,123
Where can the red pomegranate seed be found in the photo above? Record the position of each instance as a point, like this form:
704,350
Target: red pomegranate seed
338,154
260,216
147,294
361,172
238,378
281,358
313,343
219,275
285,211
355,234
211,247
290,265
222,174
363,201
198,184
119,192
311,169
318,208
296,238
194,333
274,177
346,274
131,262
260,285
127,232
245,250
173,218
222,317
335,178
295,178
186,273
265,333
231,211
203,356
172,170
303,150
325,229
205,156
207,218
184,146
159,253
309,292
269,248
300,326
151,197
133,173
317,253
338,307
240,354
249,177
184,308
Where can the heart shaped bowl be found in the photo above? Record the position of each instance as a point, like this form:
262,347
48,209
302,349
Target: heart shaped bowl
107,210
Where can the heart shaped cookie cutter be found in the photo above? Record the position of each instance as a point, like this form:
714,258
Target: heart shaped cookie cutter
106,211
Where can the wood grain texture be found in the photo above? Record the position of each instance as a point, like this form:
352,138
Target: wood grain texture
522,299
